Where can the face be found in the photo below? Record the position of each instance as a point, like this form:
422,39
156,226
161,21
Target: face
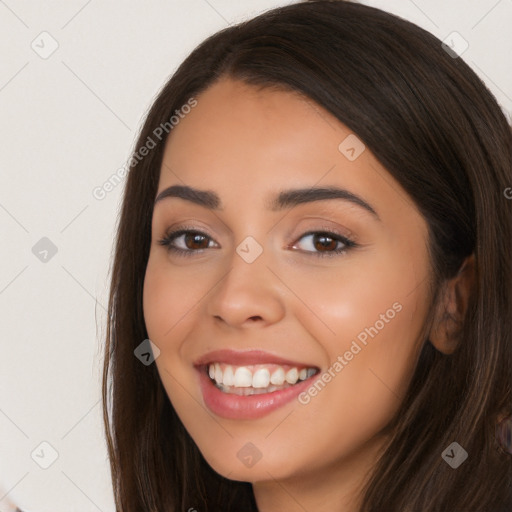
260,286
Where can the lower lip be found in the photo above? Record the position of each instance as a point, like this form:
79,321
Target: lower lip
231,406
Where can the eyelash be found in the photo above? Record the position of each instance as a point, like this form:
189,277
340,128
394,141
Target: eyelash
173,235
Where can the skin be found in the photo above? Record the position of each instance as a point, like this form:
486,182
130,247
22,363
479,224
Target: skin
247,144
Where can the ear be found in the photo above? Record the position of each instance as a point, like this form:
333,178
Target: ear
452,306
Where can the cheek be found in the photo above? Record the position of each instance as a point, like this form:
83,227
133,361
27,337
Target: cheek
169,301
159,302
366,386
169,298
361,291
371,317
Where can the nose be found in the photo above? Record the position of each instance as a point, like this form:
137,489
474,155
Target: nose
249,294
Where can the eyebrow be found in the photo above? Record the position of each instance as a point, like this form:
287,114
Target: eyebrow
284,199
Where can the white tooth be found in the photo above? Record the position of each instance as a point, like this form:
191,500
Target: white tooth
211,370
228,379
292,376
311,372
243,377
277,377
303,374
261,378
218,374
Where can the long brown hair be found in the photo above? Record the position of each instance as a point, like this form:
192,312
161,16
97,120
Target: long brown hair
440,133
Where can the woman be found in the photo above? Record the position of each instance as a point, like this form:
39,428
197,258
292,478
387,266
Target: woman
315,236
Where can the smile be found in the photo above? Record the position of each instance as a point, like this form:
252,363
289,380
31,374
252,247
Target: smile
256,379
246,385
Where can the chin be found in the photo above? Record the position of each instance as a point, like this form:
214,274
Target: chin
247,464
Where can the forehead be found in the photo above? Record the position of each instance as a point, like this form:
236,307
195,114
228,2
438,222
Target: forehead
251,133
245,142
232,114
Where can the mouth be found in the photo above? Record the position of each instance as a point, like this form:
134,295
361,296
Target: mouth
256,379
249,385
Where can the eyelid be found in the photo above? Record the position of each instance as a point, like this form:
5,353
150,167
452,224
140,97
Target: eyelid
180,230
346,239
324,228
344,233
348,243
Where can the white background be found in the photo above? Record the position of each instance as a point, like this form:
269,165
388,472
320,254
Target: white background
67,123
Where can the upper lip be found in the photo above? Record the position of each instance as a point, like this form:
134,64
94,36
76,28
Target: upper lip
247,357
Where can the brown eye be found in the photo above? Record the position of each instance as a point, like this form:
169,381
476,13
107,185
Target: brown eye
322,243
186,242
195,241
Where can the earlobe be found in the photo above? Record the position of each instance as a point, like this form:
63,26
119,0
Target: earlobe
452,307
